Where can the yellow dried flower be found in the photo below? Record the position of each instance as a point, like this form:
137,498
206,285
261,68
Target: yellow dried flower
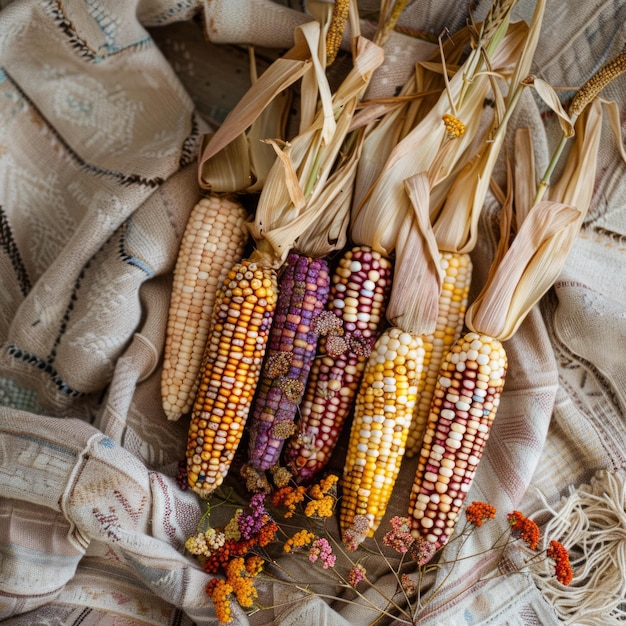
301,539
324,507
454,126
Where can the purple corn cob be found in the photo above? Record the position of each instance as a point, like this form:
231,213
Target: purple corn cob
349,327
303,291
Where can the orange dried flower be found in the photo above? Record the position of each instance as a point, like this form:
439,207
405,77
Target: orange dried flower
219,591
254,565
267,533
478,512
528,530
563,568
288,497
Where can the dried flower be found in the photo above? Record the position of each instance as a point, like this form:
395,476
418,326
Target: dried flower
301,539
478,512
241,582
323,551
254,565
231,530
250,524
399,537
280,475
336,345
422,551
408,584
324,507
293,389
283,429
356,533
356,574
563,569
288,497
219,591
528,530
327,322
278,363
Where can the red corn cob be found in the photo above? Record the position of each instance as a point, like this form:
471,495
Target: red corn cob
351,324
303,292
464,405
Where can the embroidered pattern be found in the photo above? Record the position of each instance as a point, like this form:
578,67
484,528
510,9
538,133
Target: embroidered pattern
7,242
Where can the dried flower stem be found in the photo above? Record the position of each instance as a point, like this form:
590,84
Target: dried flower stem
583,97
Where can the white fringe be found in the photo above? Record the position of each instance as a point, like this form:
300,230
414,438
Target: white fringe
591,524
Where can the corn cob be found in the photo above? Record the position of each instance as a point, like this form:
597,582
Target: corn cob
232,361
303,292
380,425
452,305
464,405
356,305
214,239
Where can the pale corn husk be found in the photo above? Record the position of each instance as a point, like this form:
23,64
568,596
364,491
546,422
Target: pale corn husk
527,270
232,159
545,91
371,224
295,195
242,165
414,301
456,223
522,272
525,175
576,182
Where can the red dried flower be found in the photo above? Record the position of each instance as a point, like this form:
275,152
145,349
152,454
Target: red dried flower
563,569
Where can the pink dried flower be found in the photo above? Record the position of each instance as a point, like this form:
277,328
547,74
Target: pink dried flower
399,537
356,533
322,550
408,584
422,550
356,574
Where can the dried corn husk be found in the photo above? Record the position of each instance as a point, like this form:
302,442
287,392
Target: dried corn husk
414,300
425,144
525,270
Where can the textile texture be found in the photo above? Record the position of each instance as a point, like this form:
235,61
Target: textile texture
102,111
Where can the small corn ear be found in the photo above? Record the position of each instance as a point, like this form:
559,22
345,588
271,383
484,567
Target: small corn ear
303,291
358,297
463,408
213,241
232,361
380,425
453,301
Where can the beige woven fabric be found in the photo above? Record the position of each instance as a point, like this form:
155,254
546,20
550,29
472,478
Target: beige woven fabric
102,110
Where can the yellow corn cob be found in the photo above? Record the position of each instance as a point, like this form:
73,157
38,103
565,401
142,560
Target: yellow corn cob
464,405
232,360
382,414
452,305
214,239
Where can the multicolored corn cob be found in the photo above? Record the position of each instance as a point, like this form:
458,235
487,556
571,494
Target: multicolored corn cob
232,361
464,405
380,425
457,268
304,285
214,240
356,306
